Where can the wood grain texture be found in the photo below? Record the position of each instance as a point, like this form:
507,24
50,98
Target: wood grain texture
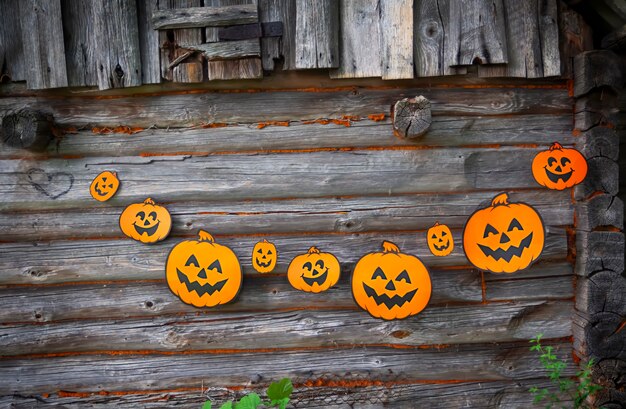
599,251
148,42
412,117
11,50
80,42
575,36
227,50
594,69
282,49
43,45
117,51
26,130
602,210
494,362
197,17
396,26
192,109
317,29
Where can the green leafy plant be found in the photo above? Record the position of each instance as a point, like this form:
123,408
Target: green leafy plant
567,389
278,394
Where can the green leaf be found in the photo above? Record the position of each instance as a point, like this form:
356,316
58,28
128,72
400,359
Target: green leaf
207,405
227,405
281,403
250,401
280,390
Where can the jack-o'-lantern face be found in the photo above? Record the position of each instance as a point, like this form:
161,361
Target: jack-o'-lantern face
504,237
203,273
104,186
439,239
390,284
146,222
559,168
264,256
313,271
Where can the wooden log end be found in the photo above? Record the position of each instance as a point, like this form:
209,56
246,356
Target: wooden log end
27,129
412,117
595,69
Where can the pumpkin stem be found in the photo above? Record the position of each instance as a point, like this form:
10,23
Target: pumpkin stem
148,201
389,247
556,146
204,236
436,224
501,199
314,250
264,241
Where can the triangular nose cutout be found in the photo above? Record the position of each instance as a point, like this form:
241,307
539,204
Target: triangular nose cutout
146,223
504,238
202,274
390,286
558,169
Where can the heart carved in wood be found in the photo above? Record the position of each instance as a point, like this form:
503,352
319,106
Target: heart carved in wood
52,185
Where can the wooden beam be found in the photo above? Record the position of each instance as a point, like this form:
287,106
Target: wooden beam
148,42
26,129
275,48
317,29
80,43
411,117
197,17
616,40
396,26
12,60
594,69
42,39
227,50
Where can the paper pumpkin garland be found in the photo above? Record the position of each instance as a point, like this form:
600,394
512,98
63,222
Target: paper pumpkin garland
313,271
559,168
439,239
146,222
264,256
504,237
390,284
104,186
203,273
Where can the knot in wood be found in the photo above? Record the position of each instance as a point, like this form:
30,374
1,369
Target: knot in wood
26,129
411,117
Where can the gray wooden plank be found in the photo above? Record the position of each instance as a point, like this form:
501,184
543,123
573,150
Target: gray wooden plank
42,263
345,215
476,34
227,49
80,42
273,48
197,17
116,31
431,25
119,373
64,183
316,39
575,36
544,288
508,322
178,110
42,41
11,49
549,37
435,395
445,131
148,42
396,26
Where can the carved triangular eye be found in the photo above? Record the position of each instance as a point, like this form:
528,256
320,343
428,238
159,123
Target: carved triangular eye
379,273
269,252
444,234
489,230
404,276
192,261
565,161
307,265
216,266
434,236
515,225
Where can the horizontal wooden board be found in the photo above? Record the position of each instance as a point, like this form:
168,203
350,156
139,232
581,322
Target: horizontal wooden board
178,110
96,260
313,395
543,288
204,17
119,373
295,329
64,183
445,131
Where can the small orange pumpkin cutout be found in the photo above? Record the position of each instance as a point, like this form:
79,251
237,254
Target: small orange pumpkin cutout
504,237
559,168
264,256
313,271
391,284
203,273
146,222
104,186
439,239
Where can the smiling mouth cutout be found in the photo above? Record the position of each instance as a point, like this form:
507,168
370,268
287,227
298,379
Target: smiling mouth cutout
320,279
395,301
262,264
556,177
199,288
511,252
443,246
147,230
98,191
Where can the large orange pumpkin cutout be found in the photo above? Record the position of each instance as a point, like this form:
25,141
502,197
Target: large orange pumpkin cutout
439,239
504,237
146,222
559,168
390,284
313,271
104,186
264,256
203,273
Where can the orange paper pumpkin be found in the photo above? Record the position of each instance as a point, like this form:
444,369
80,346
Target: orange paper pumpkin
104,186
504,237
559,168
203,273
146,222
390,284
264,256
313,271
439,239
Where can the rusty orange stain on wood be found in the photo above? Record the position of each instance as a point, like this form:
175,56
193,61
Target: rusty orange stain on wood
123,129
377,117
483,286
262,125
576,132
323,121
214,125
570,87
